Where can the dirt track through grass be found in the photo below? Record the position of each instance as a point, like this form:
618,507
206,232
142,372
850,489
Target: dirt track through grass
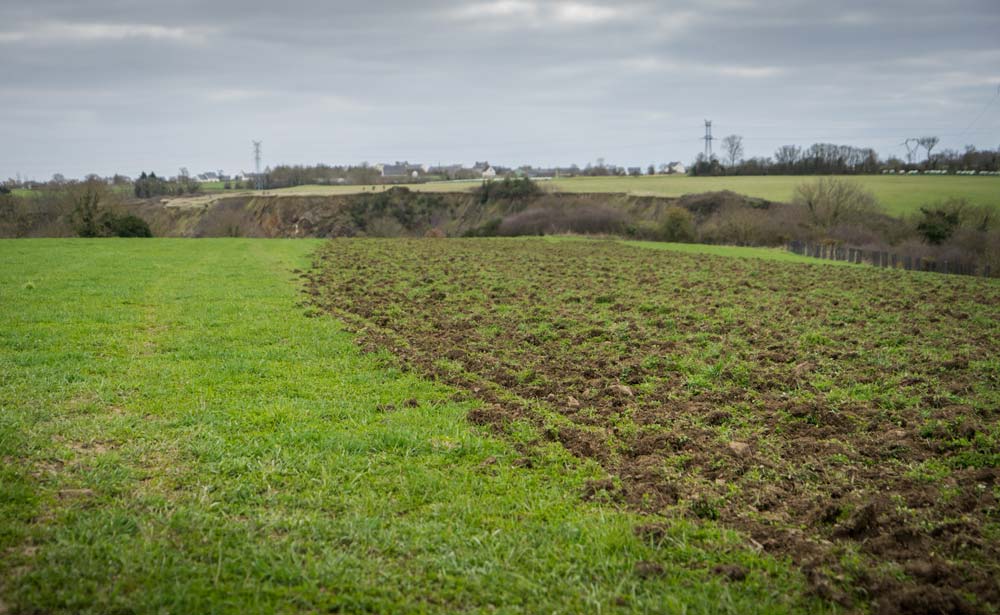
843,415
177,436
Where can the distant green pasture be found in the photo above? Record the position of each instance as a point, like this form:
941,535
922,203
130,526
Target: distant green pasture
899,195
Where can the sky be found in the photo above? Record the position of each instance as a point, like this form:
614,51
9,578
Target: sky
122,86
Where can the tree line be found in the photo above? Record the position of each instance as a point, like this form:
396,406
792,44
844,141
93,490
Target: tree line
89,208
286,176
149,185
834,159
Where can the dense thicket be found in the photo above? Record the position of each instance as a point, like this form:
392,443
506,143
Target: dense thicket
376,212
507,189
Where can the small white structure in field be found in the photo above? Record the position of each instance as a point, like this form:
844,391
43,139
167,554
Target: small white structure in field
489,173
677,167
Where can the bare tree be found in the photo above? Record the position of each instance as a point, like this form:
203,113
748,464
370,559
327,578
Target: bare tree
911,145
787,155
733,146
928,144
831,201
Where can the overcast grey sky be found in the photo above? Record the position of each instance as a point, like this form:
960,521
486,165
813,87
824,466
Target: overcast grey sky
126,85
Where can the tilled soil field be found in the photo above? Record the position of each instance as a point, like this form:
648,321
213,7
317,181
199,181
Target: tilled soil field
845,417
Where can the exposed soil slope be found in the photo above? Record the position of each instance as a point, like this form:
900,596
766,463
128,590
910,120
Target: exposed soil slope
392,213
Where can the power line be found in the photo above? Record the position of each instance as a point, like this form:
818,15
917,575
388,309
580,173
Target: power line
981,113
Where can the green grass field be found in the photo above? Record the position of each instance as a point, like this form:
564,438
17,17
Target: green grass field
213,186
769,254
899,195
179,435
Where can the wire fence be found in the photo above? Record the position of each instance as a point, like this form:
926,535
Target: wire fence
878,258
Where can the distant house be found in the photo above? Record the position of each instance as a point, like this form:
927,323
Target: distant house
489,173
393,170
635,170
400,169
676,167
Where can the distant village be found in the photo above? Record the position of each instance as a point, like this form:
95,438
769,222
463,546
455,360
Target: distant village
820,158
148,183
397,172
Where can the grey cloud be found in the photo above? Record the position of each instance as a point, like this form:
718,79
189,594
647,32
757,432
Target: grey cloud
116,85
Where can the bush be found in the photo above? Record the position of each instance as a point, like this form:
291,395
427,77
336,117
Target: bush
413,211
831,201
584,219
643,230
489,229
937,225
509,189
87,198
677,226
940,222
124,226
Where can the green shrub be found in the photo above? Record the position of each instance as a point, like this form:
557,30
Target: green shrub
489,229
677,226
937,225
126,226
509,189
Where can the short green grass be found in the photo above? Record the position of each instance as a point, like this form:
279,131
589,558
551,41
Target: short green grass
178,435
771,254
213,186
899,195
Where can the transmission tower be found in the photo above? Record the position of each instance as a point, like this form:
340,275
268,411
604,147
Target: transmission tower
258,179
708,139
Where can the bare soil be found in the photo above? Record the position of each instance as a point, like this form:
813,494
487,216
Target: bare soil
844,417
